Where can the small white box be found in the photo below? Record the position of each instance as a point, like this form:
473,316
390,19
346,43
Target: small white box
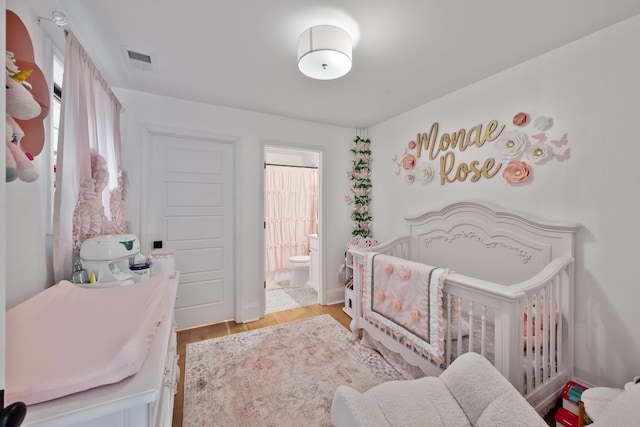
163,261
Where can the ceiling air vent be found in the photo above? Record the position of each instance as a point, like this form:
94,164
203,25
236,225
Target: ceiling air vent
138,59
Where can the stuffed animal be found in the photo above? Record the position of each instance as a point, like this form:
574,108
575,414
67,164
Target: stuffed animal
18,163
20,105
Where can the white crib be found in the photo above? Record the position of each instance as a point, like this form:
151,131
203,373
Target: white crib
501,263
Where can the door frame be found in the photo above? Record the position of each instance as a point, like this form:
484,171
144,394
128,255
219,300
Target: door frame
321,238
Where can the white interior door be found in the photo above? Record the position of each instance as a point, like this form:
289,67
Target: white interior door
190,209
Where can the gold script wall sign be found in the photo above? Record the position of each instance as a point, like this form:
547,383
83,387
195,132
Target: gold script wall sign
460,140
531,143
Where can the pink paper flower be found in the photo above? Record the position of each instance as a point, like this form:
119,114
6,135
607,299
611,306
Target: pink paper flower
406,273
397,304
415,314
388,268
381,296
409,162
515,172
411,145
521,119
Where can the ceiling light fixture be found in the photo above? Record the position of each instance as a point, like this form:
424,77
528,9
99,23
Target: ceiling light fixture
58,18
324,52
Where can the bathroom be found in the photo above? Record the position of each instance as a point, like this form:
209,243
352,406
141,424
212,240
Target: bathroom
291,195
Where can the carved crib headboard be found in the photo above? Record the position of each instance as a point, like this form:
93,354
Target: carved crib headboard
489,243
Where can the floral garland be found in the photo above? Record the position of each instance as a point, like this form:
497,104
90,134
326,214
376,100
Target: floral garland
360,176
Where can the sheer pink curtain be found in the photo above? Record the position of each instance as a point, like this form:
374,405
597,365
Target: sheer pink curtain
89,121
290,211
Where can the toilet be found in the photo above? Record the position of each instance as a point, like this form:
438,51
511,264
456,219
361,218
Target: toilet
299,266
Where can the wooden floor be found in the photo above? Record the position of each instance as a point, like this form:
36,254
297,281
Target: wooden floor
227,328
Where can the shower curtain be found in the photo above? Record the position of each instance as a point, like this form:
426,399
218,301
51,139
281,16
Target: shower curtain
291,213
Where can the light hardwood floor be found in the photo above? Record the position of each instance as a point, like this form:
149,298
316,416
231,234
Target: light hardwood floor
230,327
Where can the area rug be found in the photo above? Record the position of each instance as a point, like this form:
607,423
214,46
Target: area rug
288,298
282,375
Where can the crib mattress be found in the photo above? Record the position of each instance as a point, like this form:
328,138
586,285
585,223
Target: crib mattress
68,339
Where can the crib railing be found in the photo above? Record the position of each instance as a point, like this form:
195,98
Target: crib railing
524,329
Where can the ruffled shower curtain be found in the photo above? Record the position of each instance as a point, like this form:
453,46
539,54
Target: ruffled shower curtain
89,136
291,213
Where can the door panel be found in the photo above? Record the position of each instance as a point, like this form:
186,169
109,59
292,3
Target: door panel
191,211
195,228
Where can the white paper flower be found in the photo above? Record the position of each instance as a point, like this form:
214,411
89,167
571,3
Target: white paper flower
425,172
542,123
511,145
410,178
539,153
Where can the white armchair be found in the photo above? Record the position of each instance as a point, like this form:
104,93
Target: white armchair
470,392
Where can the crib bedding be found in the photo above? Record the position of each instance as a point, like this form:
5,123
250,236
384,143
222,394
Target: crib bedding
405,299
68,339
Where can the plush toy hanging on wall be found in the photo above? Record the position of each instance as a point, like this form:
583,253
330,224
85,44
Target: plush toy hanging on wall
27,103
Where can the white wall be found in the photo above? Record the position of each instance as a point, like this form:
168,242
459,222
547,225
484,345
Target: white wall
590,88
253,131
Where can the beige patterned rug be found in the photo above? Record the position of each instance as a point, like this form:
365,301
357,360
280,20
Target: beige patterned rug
283,375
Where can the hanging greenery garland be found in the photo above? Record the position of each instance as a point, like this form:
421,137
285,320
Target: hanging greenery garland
360,176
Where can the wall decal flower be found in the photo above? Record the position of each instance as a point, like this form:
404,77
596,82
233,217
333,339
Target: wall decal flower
388,268
397,304
381,296
542,123
521,119
515,172
409,161
539,153
511,145
415,314
425,172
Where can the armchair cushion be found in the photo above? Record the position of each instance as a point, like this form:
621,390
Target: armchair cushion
470,392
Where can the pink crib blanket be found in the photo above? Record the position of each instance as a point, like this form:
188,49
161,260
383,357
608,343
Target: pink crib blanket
405,298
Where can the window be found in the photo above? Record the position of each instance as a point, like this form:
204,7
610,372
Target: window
54,115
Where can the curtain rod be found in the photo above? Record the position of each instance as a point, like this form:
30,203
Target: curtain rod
290,166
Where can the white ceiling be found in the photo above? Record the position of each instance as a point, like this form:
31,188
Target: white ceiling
242,53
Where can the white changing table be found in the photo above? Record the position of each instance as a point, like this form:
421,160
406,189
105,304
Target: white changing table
144,399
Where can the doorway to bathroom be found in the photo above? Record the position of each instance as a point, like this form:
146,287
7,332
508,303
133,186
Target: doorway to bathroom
291,225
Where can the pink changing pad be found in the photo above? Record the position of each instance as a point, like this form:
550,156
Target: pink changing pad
68,339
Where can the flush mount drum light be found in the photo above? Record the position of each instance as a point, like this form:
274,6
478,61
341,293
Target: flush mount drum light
324,52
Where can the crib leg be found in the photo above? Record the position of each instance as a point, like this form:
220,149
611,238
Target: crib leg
354,329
